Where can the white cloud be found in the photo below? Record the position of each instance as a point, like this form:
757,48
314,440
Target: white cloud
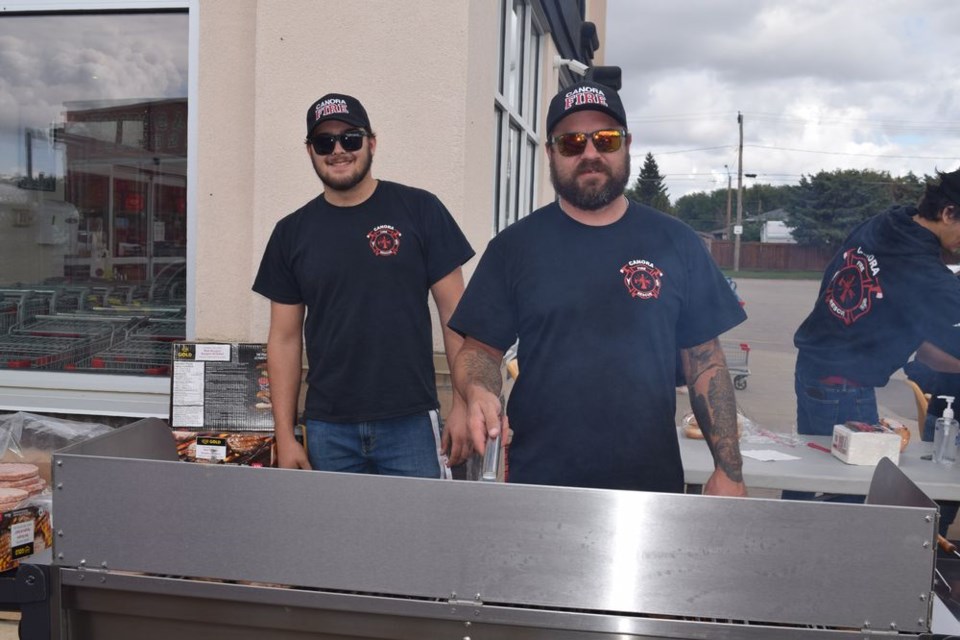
47,60
822,85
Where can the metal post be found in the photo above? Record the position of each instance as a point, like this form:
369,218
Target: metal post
738,230
729,196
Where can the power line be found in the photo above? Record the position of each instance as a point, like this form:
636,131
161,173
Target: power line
919,125
669,153
851,153
679,117
914,125
795,150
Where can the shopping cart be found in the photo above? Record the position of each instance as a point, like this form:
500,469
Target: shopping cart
20,351
144,348
738,359
135,355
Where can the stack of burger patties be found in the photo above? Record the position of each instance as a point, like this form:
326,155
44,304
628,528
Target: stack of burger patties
18,481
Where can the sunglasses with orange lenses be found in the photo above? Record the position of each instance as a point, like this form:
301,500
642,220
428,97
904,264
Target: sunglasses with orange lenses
574,143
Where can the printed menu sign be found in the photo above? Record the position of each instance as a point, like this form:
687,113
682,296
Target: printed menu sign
220,386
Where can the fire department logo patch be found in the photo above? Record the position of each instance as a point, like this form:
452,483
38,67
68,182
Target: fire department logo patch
384,240
642,279
854,287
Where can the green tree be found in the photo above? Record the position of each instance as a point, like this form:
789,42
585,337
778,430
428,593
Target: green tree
761,198
909,188
649,188
703,211
708,211
825,207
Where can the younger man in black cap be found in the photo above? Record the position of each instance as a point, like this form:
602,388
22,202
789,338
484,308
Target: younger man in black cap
886,294
602,293
350,272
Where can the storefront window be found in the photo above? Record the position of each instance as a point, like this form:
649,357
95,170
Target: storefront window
93,190
516,112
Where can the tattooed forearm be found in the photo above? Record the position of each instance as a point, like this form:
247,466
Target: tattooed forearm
476,367
714,405
697,361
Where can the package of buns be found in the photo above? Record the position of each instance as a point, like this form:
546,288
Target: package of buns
692,430
898,428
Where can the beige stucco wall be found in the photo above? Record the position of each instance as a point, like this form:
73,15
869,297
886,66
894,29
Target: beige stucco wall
426,73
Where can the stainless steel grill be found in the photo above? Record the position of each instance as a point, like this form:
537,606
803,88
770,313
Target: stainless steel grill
296,554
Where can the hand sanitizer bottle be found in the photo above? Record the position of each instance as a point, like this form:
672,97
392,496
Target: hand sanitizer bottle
945,435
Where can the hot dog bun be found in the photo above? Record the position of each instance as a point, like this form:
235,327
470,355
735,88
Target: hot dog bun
899,429
692,430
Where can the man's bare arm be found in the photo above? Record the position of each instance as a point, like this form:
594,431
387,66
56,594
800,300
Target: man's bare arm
715,408
456,439
477,378
937,359
284,364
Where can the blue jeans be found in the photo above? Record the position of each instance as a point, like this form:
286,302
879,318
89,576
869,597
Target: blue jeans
820,406
405,446
948,508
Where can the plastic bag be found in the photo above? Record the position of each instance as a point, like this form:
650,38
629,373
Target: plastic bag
32,438
691,430
750,432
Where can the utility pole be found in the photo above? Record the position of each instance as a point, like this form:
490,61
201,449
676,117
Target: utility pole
738,229
729,197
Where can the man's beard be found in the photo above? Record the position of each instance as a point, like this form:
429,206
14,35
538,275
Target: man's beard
345,183
591,198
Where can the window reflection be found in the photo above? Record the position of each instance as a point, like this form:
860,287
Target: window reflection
516,112
515,53
93,146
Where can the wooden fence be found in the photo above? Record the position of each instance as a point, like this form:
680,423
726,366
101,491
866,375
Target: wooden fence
763,256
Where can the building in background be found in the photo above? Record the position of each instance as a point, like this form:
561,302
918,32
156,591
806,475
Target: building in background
776,232
147,147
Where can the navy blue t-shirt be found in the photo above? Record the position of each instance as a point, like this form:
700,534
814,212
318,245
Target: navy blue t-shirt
600,313
886,291
364,274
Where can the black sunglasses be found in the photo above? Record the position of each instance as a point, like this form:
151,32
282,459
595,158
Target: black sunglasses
573,144
324,143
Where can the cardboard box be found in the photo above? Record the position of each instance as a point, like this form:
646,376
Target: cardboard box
862,444
220,407
24,531
220,387
222,447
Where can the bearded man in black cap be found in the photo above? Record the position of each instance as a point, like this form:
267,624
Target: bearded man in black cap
885,295
602,293
350,272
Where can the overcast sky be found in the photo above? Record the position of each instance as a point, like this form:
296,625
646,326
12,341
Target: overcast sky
821,84
46,61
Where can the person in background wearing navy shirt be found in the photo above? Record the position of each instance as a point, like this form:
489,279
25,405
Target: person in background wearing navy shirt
885,295
602,293
350,273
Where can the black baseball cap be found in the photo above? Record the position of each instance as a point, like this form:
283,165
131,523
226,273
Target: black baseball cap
585,96
337,106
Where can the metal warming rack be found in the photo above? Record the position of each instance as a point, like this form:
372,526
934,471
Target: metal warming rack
150,547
